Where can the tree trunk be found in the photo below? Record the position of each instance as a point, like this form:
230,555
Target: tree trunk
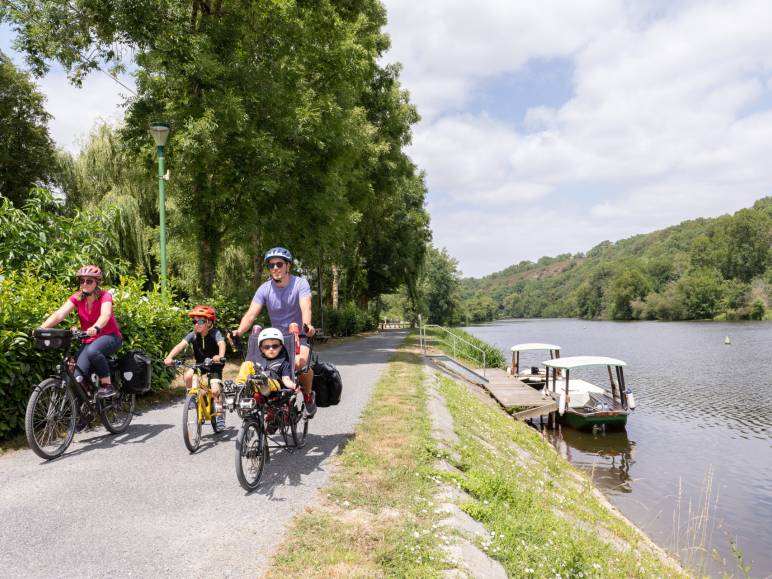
334,290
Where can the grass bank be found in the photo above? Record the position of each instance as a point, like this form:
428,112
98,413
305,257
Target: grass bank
374,518
377,516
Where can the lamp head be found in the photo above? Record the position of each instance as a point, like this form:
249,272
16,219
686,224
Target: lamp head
159,132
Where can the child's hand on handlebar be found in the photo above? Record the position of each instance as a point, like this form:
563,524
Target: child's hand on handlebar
168,361
217,359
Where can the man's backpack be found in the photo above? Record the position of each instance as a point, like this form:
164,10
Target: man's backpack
327,383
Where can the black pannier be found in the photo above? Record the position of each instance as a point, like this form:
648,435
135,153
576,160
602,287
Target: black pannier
136,372
327,383
52,338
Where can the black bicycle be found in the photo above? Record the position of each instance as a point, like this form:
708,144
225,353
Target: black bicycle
266,410
58,402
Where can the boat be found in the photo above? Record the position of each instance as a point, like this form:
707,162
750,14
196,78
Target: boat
583,405
534,376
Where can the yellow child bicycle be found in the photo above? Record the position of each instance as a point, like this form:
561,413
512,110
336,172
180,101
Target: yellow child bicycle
199,405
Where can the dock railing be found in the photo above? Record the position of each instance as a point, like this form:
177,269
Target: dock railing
450,339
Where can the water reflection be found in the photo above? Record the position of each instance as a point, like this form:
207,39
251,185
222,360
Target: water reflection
606,456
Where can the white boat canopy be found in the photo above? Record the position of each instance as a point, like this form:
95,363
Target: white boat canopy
534,346
571,362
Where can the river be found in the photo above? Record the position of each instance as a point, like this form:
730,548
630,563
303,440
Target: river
694,467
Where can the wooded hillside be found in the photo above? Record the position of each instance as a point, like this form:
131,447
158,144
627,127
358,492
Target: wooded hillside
699,269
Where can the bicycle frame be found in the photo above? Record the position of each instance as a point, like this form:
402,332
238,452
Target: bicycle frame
204,394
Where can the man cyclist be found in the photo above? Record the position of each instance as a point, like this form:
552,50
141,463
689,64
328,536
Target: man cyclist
288,300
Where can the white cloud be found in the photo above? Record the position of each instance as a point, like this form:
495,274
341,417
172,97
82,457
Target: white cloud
670,119
77,110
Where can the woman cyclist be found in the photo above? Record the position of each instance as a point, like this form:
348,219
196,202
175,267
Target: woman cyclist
97,319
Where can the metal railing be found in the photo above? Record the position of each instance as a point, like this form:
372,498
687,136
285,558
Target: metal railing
450,339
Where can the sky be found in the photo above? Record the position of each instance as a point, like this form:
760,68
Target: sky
548,127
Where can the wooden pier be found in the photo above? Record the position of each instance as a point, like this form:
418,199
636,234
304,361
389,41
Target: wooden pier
516,397
519,399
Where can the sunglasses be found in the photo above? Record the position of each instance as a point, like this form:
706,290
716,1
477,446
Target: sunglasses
87,281
199,322
275,264
270,346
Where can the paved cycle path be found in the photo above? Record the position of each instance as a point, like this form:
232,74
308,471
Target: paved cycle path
139,505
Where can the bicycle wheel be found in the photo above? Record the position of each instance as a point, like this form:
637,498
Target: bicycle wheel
49,422
191,425
251,454
298,425
116,412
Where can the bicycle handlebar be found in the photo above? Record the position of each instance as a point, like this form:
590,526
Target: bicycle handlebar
206,364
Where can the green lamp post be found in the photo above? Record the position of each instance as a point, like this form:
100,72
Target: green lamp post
160,132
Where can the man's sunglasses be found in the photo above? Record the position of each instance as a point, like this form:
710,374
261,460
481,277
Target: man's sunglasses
275,264
270,346
199,322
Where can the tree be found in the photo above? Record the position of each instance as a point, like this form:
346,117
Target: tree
702,290
27,154
629,284
746,245
439,286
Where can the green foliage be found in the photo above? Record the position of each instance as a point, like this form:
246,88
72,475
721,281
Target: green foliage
699,269
438,287
27,155
54,244
467,346
348,320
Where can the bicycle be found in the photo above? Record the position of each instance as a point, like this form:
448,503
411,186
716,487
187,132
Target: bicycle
266,410
57,402
199,406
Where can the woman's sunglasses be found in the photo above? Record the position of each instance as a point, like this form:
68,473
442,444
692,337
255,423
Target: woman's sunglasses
270,346
86,281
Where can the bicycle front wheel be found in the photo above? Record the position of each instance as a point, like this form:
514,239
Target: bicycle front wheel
49,422
117,411
251,454
191,424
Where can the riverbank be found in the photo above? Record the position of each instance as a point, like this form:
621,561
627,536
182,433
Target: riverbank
529,511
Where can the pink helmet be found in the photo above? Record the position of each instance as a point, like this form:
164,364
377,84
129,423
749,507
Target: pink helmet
90,271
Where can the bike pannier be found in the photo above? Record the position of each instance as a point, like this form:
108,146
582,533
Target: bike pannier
52,339
327,384
135,371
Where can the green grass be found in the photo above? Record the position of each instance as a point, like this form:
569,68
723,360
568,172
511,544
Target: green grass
375,518
542,513
442,341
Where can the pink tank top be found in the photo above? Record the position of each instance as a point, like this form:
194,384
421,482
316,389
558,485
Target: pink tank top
89,316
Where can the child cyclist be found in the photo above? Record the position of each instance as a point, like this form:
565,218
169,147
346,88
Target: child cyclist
207,342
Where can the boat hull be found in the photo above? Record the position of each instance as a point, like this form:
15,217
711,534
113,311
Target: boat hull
581,421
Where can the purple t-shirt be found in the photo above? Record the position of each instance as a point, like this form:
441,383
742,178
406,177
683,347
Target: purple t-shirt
283,303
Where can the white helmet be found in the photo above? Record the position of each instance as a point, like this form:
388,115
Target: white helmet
270,334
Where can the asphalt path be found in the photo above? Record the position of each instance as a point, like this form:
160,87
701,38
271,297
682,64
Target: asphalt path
139,505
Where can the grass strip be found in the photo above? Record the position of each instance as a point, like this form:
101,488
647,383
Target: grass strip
545,517
375,519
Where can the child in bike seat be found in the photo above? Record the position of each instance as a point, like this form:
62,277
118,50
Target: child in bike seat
207,342
272,358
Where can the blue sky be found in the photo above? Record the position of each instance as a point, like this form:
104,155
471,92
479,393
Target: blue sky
548,127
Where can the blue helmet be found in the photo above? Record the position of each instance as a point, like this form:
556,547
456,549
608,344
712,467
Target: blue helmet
278,252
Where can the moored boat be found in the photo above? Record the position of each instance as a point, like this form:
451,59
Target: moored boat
534,376
584,405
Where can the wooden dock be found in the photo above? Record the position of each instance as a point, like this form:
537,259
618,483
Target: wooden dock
516,397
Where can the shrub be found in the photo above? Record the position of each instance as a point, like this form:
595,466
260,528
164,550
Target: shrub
348,320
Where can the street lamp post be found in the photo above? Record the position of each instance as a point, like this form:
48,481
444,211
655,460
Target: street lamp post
160,132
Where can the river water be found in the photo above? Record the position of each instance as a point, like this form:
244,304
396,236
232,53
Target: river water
694,467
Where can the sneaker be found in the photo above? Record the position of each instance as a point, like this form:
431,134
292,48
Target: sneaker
105,391
220,420
311,405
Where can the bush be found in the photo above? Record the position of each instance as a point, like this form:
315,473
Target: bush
148,320
348,320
